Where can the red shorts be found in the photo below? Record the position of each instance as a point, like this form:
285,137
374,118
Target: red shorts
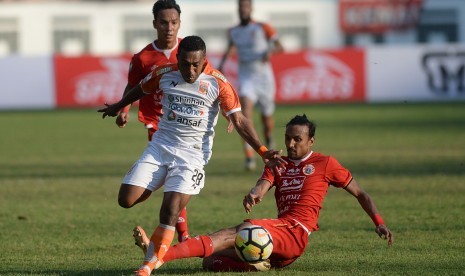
289,239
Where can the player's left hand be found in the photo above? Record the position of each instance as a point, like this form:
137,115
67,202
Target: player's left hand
250,200
384,233
272,158
110,110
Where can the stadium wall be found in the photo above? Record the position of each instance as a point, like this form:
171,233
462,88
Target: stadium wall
365,75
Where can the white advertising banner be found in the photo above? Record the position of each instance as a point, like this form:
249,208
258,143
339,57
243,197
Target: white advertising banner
415,73
27,83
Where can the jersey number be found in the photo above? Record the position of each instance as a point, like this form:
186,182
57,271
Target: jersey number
197,177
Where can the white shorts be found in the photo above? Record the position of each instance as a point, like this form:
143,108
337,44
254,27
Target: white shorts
178,169
258,85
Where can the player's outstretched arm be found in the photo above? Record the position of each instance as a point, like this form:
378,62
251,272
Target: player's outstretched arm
256,194
367,203
123,116
113,109
272,158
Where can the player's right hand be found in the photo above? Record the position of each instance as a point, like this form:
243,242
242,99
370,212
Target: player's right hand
384,233
110,110
122,119
272,158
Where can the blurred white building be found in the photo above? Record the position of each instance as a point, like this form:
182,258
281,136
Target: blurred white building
37,27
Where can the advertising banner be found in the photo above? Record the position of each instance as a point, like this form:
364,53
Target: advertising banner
88,81
313,76
416,73
378,16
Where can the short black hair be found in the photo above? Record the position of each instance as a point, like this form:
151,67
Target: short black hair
192,43
302,120
165,5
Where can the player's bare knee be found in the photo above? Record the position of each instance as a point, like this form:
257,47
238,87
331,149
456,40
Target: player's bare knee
125,202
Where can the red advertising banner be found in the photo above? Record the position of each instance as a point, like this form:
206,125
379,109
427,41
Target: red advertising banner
88,81
378,16
312,76
307,76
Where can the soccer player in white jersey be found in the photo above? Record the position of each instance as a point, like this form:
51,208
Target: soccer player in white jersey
192,95
254,42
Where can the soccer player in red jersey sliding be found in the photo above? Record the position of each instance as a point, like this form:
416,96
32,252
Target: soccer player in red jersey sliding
300,189
160,52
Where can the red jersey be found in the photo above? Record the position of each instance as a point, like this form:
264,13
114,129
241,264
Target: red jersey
303,184
141,65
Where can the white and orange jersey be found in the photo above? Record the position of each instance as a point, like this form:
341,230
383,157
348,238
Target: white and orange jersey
252,40
190,111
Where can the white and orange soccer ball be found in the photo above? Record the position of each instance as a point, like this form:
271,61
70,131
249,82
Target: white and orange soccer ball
253,244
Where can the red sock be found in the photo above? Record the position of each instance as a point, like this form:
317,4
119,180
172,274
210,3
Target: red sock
181,225
200,246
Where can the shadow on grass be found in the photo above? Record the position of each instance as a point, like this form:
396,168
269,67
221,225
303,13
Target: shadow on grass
100,272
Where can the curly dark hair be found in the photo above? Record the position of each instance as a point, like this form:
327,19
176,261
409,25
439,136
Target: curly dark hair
302,120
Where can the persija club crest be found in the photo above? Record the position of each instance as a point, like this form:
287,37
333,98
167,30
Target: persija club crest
308,169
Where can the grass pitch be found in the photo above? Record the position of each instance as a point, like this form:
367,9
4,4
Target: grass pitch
60,172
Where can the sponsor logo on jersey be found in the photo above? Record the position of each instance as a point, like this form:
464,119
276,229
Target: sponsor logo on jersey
203,87
188,122
308,169
188,110
293,171
163,70
220,76
186,100
173,83
292,183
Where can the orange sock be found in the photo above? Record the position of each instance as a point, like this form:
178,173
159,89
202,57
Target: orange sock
248,150
181,226
159,243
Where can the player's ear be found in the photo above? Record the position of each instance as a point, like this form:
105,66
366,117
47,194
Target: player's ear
311,141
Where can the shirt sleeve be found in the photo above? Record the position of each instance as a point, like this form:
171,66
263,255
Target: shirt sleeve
270,32
268,175
229,100
135,71
336,174
151,83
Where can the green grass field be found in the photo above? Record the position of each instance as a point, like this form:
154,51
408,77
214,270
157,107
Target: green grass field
60,172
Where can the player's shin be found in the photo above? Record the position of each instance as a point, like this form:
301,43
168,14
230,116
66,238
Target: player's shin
200,246
160,242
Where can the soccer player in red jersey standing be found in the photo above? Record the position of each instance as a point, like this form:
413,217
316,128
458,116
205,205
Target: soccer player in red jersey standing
160,52
299,193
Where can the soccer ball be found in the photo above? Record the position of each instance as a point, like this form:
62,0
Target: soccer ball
253,244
